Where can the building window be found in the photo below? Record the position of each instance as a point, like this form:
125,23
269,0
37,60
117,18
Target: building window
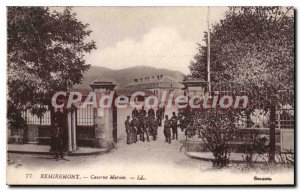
140,98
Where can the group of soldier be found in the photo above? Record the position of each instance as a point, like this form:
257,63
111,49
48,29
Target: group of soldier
145,124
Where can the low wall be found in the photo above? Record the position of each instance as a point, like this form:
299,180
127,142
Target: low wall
42,135
196,144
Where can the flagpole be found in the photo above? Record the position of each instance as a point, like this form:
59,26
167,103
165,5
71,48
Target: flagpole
208,51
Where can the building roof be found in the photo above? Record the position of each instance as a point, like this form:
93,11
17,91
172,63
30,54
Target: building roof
129,92
102,84
126,92
161,82
194,82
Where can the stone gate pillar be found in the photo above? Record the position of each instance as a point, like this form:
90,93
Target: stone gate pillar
71,122
103,117
194,87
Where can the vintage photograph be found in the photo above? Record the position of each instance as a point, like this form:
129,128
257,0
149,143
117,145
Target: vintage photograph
150,95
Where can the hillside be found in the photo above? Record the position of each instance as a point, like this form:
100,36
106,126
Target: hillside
124,76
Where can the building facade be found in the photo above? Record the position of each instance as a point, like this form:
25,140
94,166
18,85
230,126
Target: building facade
157,85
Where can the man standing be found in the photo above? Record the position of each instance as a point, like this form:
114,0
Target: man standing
141,128
134,126
56,141
128,130
134,113
174,126
147,127
167,130
142,112
58,133
154,126
163,110
151,112
159,115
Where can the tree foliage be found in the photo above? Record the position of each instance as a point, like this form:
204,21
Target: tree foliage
216,128
45,54
253,47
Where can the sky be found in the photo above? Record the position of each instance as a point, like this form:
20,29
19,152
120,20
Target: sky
161,37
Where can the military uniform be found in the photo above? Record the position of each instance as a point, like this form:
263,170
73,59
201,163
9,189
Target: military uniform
141,126
159,116
134,113
167,130
151,113
184,118
128,131
180,118
142,113
174,127
56,141
57,135
147,126
163,110
134,126
153,129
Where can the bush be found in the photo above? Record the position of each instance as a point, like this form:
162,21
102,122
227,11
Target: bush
216,128
256,145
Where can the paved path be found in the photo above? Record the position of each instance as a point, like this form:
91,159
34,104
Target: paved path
234,157
44,149
140,155
158,162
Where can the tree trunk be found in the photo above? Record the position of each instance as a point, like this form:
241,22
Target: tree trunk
272,147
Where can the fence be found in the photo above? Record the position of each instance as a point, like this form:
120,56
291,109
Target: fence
39,128
285,123
85,130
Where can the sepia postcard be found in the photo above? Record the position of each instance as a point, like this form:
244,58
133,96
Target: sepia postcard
150,95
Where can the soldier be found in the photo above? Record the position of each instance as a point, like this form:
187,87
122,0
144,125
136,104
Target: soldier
154,126
55,140
184,117
142,112
163,109
128,130
180,118
141,128
189,129
151,112
174,126
57,137
134,113
147,126
134,126
159,115
167,130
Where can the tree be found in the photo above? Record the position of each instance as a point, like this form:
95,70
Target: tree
263,34
216,128
253,47
45,54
